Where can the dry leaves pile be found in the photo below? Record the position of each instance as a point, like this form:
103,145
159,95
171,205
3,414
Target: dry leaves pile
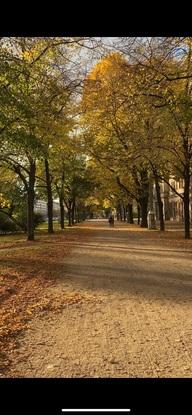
27,270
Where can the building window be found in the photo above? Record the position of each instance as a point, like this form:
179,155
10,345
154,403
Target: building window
181,183
172,183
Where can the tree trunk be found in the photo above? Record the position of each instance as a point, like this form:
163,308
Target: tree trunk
69,210
73,213
49,197
30,202
120,213
186,202
62,212
159,202
61,200
117,210
138,214
144,191
144,212
130,213
77,215
124,213
69,217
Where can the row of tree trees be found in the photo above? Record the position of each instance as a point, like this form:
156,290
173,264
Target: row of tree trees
38,104
137,118
106,135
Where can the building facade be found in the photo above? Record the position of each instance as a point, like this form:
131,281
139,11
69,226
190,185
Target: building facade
173,208
41,207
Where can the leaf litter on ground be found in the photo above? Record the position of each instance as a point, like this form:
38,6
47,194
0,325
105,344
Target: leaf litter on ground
28,270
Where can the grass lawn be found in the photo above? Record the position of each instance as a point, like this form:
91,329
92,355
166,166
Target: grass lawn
40,230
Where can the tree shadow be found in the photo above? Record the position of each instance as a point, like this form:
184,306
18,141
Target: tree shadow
129,275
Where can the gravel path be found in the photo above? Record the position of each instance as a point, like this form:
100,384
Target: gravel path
138,323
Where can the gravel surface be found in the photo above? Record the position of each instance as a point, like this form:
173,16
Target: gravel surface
137,322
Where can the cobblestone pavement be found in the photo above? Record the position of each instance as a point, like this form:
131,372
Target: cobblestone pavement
139,323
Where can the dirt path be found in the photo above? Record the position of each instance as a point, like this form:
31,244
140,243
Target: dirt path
138,322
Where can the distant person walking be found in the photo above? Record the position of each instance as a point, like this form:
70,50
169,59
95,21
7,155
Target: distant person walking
111,220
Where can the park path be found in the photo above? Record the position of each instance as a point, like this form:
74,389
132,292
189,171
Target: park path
138,322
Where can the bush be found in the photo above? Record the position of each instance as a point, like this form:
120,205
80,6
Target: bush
38,218
7,225
22,219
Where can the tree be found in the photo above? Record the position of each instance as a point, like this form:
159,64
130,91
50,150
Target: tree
167,72
34,77
110,122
